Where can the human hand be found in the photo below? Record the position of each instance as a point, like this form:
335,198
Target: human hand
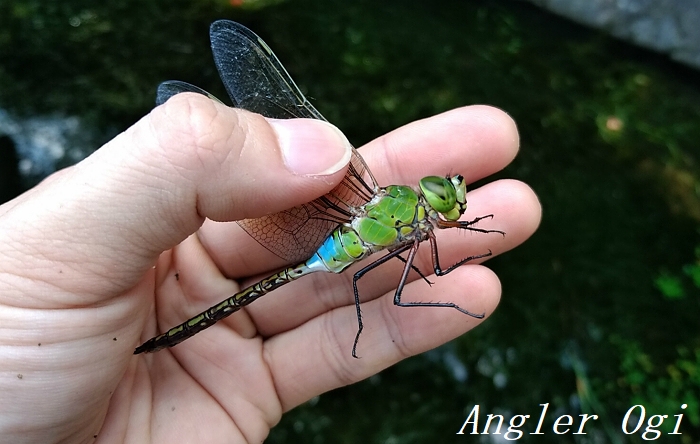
103,255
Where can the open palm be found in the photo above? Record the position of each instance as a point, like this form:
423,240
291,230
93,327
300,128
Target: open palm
108,253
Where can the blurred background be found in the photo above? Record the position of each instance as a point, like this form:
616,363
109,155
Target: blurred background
600,308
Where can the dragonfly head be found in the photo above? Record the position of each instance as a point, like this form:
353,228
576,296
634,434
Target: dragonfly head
447,196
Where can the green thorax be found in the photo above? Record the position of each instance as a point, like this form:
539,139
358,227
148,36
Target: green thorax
391,216
400,213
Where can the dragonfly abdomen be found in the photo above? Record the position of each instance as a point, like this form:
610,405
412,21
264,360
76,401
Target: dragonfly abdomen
342,248
223,309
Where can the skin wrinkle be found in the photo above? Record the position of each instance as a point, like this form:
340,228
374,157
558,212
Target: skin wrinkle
192,131
171,155
4,280
392,329
162,184
146,242
44,276
268,420
346,368
214,396
205,154
17,246
229,157
390,160
239,128
218,152
322,284
231,415
387,162
78,253
179,219
268,363
331,357
213,363
247,145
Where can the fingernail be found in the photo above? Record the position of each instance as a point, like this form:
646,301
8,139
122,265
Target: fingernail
311,147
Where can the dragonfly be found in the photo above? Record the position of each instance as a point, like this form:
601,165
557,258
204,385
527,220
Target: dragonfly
352,222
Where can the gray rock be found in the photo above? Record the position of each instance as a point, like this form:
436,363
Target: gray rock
668,26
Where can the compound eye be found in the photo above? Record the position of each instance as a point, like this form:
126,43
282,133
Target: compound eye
439,192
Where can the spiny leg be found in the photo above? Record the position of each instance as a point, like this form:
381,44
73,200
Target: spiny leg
467,225
357,277
478,219
436,259
404,276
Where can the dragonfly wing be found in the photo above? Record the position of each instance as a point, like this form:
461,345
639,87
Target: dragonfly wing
256,81
169,88
253,76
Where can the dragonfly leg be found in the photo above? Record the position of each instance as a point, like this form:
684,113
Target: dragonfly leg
438,272
356,278
467,225
477,219
417,270
436,259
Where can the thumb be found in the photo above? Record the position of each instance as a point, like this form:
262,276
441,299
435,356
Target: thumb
77,252
144,192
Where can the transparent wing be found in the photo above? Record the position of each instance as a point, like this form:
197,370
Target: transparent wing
169,88
257,81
